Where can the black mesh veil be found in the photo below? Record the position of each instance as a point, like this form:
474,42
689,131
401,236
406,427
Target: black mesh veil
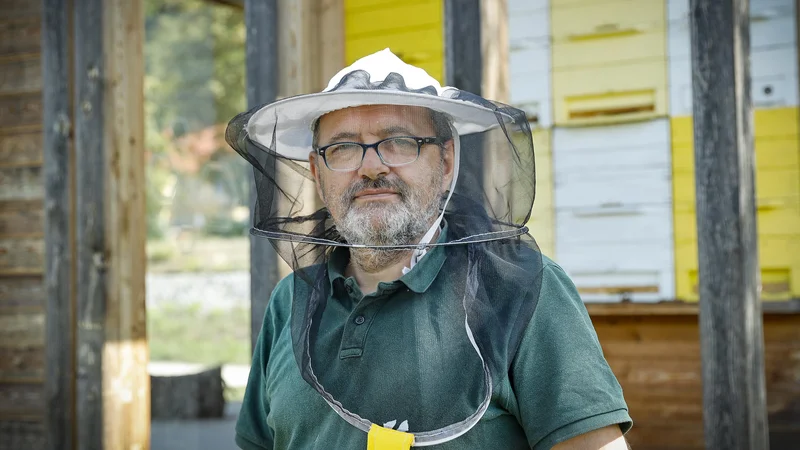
492,265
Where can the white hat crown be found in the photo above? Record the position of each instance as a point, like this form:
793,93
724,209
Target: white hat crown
380,64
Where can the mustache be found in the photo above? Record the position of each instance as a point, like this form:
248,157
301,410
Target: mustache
396,185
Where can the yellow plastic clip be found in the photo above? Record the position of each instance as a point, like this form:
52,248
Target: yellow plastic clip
380,438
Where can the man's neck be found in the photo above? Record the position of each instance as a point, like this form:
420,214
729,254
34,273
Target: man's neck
368,276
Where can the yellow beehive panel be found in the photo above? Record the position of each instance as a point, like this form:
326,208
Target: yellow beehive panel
777,153
542,222
394,16
413,30
609,61
582,36
778,269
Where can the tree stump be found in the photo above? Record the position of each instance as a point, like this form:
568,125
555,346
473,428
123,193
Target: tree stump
190,396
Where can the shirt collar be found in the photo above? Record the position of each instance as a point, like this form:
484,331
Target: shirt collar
418,279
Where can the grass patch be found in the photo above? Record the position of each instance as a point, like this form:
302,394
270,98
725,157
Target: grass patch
198,254
191,333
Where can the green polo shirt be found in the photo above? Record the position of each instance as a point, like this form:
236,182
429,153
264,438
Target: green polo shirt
559,385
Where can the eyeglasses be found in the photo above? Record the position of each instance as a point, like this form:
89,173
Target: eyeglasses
393,152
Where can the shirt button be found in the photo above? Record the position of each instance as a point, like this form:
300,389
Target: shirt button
349,289
359,320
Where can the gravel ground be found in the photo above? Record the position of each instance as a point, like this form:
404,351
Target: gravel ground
211,290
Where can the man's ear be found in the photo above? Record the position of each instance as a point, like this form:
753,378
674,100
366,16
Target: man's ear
313,158
449,160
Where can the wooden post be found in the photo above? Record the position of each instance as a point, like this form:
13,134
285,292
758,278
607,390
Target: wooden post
732,344
464,70
328,27
90,208
262,87
495,82
463,59
59,318
126,382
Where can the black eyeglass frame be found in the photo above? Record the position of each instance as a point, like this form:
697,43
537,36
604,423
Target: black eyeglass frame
364,147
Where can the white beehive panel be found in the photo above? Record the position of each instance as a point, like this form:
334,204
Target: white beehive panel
774,77
773,58
613,209
621,224
612,189
529,58
605,271
620,164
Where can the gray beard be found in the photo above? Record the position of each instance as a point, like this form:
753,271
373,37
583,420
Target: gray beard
391,224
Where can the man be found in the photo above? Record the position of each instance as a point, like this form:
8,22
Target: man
419,313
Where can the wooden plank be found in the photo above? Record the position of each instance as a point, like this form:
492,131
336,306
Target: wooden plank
15,9
330,45
20,75
21,149
673,308
91,256
21,183
665,436
731,335
19,434
22,363
21,218
658,363
22,293
20,110
22,330
495,79
58,169
126,382
24,255
647,328
21,399
296,48
20,36
261,22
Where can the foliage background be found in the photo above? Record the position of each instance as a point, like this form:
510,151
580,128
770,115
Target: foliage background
194,84
197,187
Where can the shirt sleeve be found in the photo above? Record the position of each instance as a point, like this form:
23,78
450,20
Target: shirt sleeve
252,430
560,377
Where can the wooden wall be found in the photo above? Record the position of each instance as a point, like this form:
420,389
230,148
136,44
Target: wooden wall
655,353
22,290
72,229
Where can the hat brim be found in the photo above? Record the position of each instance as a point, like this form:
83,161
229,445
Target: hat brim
291,118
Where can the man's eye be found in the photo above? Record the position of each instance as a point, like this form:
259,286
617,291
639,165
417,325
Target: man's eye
402,144
341,149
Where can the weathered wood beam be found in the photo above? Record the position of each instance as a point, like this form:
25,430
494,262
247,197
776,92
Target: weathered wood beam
126,382
463,49
90,157
261,22
464,70
58,231
495,81
328,28
731,335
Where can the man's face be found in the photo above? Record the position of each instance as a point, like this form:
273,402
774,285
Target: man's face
377,204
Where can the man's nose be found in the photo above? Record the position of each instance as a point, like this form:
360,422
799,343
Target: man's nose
372,167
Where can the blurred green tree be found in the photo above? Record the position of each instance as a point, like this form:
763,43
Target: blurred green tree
194,84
